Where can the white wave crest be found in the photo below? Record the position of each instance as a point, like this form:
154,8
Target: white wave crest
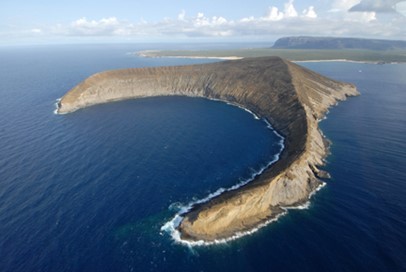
171,226
57,105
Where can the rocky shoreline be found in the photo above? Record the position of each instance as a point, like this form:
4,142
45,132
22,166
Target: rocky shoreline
290,97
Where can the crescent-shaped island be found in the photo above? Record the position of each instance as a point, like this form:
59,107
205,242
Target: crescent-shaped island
291,98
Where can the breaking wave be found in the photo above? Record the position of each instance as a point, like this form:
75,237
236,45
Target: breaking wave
170,227
57,105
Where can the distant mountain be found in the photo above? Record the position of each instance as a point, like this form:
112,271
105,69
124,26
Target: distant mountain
303,42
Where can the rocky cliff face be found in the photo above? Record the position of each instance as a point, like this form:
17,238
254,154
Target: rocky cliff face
290,97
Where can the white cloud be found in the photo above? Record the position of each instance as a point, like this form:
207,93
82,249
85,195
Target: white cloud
361,17
401,8
341,11
105,22
202,21
247,19
36,30
310,13
376,6
276,22
343,5
182,15
290,10
274,14
104,26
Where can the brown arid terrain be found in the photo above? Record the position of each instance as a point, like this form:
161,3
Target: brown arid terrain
292,98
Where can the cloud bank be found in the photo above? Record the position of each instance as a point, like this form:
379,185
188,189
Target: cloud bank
276,21
384,6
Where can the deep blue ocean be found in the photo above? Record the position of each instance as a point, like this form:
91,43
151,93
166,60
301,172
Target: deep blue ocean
90,191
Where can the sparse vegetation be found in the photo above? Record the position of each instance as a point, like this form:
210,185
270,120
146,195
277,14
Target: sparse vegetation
290,54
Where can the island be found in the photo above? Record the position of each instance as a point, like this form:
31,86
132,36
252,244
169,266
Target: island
291,98
326,43
304,48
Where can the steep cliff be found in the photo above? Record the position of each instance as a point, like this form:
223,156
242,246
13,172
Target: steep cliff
290,97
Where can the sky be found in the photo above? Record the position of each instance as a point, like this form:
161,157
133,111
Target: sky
86,21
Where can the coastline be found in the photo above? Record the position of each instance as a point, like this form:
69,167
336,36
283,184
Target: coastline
147,54
156,54
171,226
346,60
293,106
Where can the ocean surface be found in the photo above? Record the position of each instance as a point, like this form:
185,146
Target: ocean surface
90,191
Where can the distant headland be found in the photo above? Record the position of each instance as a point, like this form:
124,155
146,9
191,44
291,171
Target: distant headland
304,48
325,43
291,98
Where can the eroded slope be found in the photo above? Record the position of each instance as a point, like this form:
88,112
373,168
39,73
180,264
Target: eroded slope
290,97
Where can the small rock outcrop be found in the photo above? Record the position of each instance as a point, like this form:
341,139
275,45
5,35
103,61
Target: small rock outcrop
292,98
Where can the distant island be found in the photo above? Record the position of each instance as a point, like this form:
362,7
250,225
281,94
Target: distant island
291,98
305,49
331,43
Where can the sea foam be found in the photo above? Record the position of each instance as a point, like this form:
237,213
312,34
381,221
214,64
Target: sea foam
171,226
57,105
